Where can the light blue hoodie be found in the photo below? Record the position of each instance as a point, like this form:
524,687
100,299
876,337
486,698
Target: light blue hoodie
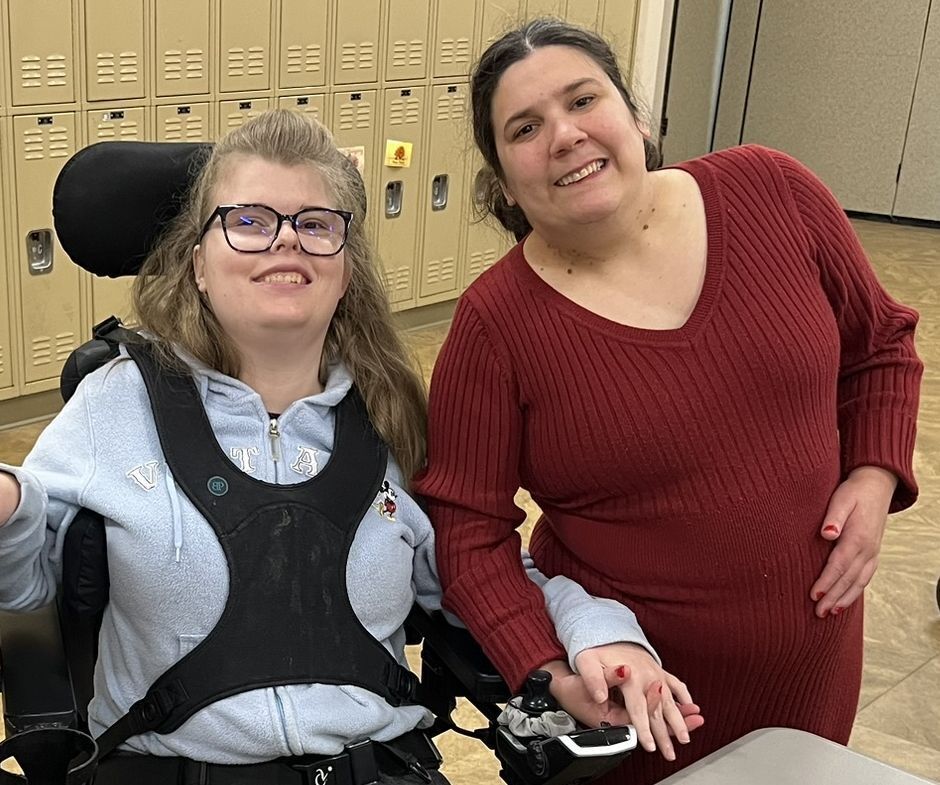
169,578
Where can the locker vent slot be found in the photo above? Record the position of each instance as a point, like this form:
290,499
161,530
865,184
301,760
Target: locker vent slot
353,56
189,129
441,270
404,111
46,351
123,68
357,116
455,51
2,358
481,260
177,66
31,71
408,53
302,59
451,106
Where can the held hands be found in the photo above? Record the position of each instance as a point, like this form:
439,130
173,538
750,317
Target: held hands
621,684
856,517
9,496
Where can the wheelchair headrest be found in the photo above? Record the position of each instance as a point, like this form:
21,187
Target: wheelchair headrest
113,199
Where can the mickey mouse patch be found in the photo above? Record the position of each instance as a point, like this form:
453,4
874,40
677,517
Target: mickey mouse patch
385,503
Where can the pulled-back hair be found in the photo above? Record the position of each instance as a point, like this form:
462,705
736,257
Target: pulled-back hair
169,305
506,51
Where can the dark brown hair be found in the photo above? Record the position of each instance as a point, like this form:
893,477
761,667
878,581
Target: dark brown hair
512,47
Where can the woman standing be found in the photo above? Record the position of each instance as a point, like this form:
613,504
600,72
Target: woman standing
697,377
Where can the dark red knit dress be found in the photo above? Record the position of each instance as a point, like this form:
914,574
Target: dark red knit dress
684,472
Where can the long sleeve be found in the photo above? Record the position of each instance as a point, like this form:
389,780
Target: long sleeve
879,371
52,479
474,442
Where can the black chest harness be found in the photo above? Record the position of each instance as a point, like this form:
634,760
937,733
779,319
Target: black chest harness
287,619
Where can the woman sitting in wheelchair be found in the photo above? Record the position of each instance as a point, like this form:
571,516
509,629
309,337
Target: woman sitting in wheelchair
250,459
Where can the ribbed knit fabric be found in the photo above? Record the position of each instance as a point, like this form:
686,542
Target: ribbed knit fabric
684,472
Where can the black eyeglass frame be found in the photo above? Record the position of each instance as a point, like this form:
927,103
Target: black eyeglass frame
223,210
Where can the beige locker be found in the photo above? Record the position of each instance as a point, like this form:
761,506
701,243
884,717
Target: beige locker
583,12
6,309
619,29
499,16
399,202
445,195
545,8
184,123
245,45
304,43
486,241
182,47
407,44
356,47
310,105
453,39
114,49
233,113
111,296
354,125
41,52
48,281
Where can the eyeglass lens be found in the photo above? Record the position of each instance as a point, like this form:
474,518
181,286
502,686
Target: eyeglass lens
254,228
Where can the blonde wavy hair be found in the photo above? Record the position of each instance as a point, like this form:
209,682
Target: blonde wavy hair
361,334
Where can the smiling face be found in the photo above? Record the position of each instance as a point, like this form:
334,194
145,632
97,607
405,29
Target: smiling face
282,292
570,149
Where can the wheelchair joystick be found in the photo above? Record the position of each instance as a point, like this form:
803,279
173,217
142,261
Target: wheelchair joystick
537,698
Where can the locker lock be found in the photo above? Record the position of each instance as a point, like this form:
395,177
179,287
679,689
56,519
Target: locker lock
39,251
394,195
439,187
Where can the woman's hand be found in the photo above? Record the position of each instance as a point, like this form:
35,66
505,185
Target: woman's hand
656,702
856,517
9,496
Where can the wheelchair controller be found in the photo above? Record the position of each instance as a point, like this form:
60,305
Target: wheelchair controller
553,760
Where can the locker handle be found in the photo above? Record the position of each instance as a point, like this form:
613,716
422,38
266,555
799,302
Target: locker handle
394,197
439,188
39,249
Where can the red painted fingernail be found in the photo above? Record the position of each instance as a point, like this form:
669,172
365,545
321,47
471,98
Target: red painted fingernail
818,596
621,672
837,610
831,529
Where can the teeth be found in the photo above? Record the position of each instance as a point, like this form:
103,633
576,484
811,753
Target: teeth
282,278
568,179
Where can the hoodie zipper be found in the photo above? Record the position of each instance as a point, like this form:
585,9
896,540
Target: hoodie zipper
274,434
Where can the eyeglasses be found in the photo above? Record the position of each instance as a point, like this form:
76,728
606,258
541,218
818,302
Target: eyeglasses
253,228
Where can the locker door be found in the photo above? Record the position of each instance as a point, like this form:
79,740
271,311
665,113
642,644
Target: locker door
400,201
48,281
545,8
6,349
303,44
583,12
407,45
245,50
356,48
114,49
620,28
111,296
233,113
41,55
182,47
498,17
184,123
310,105
354,124
453,39
445,195
487,241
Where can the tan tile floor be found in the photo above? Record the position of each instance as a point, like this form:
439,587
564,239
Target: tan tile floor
899,713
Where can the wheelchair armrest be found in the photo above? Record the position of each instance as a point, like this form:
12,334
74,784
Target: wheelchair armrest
472,674
34,674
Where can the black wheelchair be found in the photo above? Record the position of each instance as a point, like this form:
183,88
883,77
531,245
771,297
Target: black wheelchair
47,657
